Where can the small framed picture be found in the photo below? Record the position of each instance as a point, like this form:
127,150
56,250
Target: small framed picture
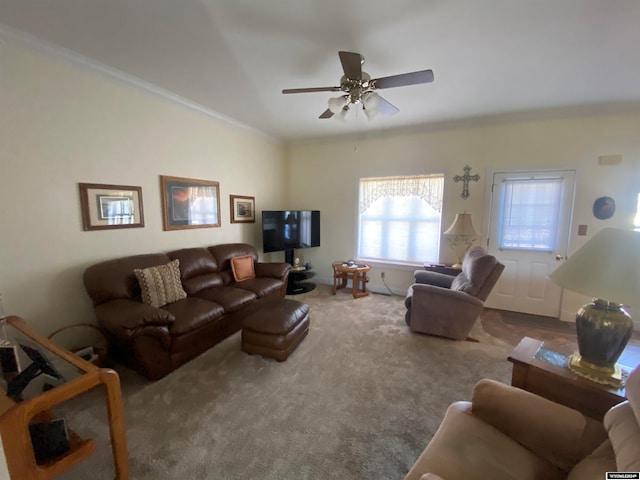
243,209
189,203
110,206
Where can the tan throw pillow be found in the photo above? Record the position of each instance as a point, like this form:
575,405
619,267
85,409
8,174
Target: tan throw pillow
160,285
242,268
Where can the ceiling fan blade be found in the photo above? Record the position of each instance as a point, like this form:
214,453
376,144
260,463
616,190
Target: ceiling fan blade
313,89
326,114
404,79
385,107
351,64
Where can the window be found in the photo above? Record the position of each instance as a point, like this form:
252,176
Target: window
399,218
530,212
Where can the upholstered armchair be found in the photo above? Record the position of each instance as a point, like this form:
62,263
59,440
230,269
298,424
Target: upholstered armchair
448,305
505,433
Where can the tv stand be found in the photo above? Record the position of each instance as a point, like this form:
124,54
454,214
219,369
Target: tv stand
296,284
288,255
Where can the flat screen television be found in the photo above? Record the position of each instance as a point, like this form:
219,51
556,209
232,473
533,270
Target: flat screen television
286,230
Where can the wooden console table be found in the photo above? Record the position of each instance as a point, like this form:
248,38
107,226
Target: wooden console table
542,371
357,274
80,377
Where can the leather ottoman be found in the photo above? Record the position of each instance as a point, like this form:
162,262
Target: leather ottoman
276,329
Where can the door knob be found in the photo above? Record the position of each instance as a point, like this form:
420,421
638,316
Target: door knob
559,257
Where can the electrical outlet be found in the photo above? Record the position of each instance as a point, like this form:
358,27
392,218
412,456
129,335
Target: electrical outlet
381,274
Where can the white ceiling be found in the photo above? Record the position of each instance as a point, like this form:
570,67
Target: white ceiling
490,58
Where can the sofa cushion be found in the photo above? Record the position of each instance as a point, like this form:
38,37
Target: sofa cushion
198,269
594,465
624,434
465,447
160,285
114,279
231,298
525,416
624,428
191,313
242,268
225,252
633,392
261,286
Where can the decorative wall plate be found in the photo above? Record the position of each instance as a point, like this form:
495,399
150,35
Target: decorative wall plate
604,208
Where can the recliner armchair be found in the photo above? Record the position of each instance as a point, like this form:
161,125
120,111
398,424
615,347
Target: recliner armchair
505,433
448,305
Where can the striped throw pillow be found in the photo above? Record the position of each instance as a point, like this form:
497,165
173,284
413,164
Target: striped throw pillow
160,285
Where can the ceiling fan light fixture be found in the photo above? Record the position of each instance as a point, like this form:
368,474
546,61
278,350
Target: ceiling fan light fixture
358,88
342,114
370,102
370,112
336,104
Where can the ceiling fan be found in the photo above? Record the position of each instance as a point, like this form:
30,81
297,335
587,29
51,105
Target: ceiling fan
360,88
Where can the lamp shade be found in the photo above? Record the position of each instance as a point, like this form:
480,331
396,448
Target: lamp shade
336,104
462,225
607,267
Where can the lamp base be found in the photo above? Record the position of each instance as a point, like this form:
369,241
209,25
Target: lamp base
612,376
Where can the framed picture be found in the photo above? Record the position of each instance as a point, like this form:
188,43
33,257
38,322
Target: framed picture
189,203
243,209
110,206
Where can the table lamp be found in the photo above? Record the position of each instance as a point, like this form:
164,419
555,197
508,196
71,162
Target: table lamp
606,268
461,236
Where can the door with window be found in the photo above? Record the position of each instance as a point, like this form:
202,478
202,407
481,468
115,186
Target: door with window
529,229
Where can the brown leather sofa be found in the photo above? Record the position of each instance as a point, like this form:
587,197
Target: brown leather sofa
155,341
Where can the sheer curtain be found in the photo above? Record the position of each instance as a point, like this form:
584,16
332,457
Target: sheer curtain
427,187
399,218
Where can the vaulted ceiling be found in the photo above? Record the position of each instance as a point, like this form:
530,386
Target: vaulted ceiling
491,58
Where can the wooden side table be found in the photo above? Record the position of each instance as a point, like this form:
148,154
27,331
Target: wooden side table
357,275
542,371
37,402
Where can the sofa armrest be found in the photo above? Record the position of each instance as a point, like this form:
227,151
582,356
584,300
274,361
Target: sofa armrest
557,433
125,319
279,270
433,278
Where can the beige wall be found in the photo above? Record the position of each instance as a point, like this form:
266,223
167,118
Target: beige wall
324,175
62,125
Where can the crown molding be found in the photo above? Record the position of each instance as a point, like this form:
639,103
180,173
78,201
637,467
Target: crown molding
52,50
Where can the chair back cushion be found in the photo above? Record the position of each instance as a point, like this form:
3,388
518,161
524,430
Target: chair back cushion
198,268
623,426
480,272
115,280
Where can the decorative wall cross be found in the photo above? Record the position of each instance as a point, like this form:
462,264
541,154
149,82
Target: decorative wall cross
466,178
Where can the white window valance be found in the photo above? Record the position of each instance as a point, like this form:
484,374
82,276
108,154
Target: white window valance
427,187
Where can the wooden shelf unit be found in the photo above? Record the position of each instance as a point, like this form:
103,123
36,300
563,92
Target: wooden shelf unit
15,417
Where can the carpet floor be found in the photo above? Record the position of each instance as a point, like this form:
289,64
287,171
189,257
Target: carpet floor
359,399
